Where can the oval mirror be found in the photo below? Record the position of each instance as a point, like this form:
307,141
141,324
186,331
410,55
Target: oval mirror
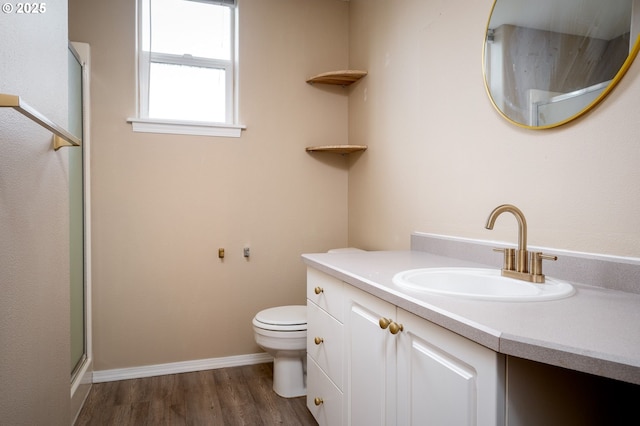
546,62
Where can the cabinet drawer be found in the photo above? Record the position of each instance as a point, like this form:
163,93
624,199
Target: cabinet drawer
329,410
326,292
329,352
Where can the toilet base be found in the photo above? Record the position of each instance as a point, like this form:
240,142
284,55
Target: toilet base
290,375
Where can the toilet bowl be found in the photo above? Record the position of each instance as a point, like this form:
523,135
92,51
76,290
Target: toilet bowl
282,333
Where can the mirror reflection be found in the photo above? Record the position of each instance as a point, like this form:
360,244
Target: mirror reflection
547,62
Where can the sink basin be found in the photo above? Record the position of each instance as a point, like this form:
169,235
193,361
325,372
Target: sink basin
477,283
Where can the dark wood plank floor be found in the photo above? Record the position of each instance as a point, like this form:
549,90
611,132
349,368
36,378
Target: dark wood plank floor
222,397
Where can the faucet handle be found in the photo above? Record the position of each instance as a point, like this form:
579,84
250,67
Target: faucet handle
536,262
509,258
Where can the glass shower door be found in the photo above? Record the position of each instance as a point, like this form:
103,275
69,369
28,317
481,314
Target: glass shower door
76,217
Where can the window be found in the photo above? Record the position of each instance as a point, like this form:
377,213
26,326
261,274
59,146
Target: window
185,67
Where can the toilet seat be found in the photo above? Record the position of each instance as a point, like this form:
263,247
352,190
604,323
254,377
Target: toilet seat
282,318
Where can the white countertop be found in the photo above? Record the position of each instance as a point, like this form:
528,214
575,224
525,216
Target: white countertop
596,330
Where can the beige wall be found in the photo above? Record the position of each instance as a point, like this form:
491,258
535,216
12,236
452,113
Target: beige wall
34,223
164,204
440,158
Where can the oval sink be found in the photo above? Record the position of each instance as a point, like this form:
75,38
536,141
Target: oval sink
478,283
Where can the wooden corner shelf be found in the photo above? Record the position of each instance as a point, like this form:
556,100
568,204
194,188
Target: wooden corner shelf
338,149
340,78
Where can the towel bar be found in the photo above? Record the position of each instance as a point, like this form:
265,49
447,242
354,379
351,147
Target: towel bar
61,136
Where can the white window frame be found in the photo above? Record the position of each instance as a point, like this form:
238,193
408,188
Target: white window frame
143,123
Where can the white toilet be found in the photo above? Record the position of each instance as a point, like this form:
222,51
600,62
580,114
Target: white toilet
282,333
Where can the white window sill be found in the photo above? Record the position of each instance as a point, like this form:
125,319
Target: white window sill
175,127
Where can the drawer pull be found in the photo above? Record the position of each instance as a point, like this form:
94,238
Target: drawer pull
318,401
318,340
318,290
395,328
384,323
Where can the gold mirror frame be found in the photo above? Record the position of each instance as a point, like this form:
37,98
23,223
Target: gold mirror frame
589,106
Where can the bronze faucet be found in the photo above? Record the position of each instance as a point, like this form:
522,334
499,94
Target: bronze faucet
519,263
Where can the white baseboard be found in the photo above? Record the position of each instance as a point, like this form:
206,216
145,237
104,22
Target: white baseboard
179,367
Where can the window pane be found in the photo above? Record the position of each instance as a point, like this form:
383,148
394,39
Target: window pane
187,93
189,27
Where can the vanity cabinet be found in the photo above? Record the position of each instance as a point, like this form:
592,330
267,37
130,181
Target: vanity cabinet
411,372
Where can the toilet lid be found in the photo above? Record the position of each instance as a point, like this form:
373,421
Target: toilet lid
284,317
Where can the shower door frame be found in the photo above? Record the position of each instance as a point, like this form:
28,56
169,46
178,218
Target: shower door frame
82,375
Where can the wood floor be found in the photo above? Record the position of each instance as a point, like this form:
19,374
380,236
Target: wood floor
222,397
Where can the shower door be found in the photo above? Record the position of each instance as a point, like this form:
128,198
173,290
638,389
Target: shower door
76,216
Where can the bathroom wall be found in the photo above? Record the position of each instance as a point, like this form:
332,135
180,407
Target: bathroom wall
163,204
440,158
34,223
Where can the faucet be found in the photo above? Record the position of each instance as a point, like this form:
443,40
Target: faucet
519,263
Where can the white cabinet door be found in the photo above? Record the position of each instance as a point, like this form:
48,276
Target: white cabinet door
445,379
371,360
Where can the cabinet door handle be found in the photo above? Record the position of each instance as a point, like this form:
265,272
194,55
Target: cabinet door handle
318,401
395,328
384,323
318,340
318,290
